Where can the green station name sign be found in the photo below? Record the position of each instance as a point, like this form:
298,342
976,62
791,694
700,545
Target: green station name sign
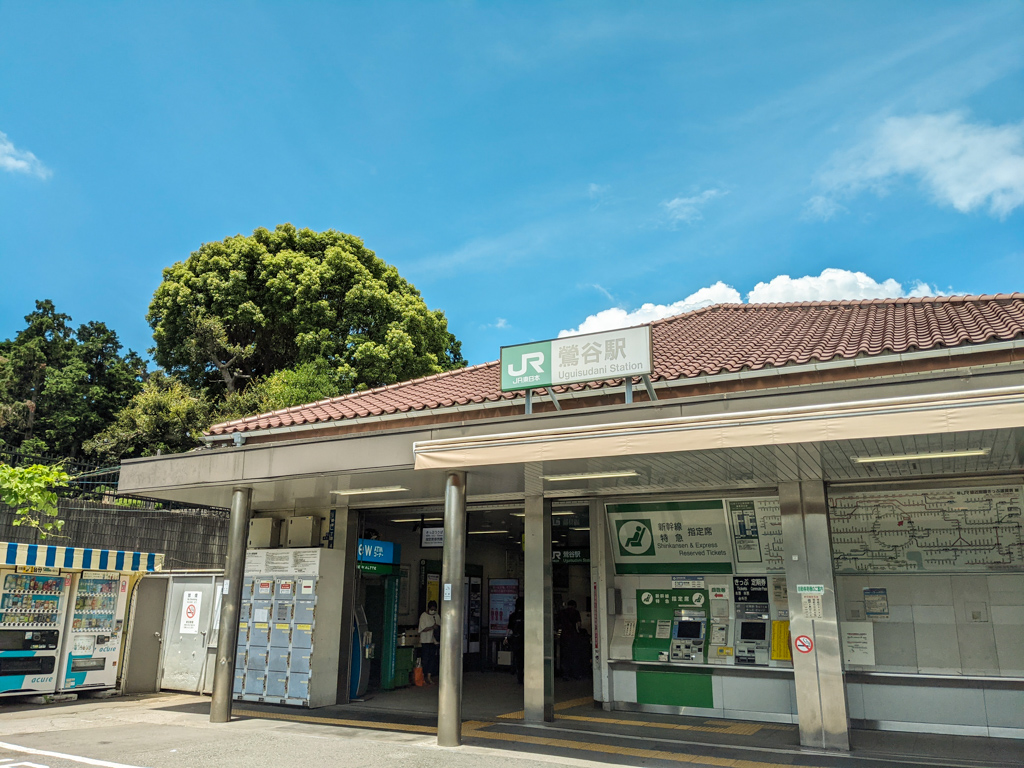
577,359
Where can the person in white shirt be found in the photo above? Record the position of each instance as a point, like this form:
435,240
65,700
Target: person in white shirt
428,642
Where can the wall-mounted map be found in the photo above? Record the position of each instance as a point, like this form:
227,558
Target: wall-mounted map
951,530
757,535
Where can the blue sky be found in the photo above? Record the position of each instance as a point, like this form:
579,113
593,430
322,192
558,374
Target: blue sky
532,167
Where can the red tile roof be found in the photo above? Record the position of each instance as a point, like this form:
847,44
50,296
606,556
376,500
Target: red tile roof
714,340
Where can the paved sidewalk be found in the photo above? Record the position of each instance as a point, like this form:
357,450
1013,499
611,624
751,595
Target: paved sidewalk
173,731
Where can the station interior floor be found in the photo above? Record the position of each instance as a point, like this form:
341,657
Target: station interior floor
493,717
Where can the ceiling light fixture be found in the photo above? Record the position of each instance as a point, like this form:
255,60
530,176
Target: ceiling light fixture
378,489
590,475
581,528
418,519
553,514
475,532
920,456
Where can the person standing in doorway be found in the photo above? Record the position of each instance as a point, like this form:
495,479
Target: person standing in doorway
517,638
430,630
569,624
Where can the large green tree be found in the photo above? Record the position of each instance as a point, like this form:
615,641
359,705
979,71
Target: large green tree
249,306
166,416
58,386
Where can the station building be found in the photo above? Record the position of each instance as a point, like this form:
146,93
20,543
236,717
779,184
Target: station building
805,512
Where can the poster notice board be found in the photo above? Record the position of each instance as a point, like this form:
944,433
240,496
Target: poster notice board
501,599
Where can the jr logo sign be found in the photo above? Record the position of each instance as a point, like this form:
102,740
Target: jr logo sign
576,359
635,537
533,360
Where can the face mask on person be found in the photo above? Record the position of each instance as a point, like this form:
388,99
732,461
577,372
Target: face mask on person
432,611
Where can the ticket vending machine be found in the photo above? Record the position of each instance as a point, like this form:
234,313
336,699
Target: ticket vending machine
94,630
33,603
753,639
688,629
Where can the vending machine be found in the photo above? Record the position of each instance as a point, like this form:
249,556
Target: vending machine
33,602
290,627
94,630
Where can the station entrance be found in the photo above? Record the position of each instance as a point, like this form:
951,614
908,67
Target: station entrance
391,666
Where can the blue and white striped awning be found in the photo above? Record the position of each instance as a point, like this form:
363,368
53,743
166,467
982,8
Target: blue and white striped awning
78,558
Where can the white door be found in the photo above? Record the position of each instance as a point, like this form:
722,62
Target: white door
188,625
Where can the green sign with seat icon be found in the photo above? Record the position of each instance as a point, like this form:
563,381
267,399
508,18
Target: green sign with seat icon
635,537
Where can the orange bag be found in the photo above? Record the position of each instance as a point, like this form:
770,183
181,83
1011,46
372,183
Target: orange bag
417,676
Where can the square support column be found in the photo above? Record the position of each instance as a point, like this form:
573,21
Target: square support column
539,662
818,671
453,597
346,539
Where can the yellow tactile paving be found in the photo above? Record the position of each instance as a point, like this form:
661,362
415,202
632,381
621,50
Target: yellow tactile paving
570,704
732,729
573,703
337,721
612,749
475,729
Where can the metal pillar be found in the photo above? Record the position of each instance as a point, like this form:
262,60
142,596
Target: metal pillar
453,576
818,673
346,539
601,578
227,637
539,662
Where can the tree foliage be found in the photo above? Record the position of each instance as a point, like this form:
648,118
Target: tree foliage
29,491
249,306
58,386
166,416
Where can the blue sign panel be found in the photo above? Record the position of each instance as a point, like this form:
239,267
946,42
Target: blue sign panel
371,551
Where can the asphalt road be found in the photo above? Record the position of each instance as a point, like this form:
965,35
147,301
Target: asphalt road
159,732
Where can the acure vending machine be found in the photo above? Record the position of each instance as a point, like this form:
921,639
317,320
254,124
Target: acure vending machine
62,615
32,607
289,632
94,630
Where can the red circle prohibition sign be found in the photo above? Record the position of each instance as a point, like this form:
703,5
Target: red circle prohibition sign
804,644
190,612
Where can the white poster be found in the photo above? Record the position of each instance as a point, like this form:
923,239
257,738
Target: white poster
190,607
859,643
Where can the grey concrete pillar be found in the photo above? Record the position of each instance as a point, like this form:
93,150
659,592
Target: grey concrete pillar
346,539
539,662
814,627
227,636
453,580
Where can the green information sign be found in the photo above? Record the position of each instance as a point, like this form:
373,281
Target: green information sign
670,537
576,359
385,569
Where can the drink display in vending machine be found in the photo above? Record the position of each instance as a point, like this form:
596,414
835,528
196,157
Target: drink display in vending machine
33,601
95,624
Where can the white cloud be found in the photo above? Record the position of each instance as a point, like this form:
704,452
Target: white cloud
964,165
688,209
831,284
598,190
20,161
821,207
719,293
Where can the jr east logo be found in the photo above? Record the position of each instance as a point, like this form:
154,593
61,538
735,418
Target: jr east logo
635,537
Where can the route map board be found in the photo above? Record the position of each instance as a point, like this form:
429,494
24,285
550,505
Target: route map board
757,535
956,530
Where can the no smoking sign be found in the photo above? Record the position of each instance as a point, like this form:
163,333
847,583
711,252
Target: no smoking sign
804,644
